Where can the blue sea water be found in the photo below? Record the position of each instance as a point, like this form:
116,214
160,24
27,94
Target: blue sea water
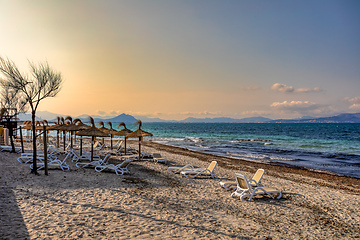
328,147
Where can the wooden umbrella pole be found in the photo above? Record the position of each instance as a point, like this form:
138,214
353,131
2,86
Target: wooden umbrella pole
22,141
45,152
139,147
64,134
92,148
57,139
81,146
125,146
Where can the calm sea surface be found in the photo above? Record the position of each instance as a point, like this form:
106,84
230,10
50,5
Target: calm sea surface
329,147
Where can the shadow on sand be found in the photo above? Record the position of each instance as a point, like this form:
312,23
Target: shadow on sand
12,225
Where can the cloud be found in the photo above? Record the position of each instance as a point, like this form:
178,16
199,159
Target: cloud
255,113
284,88
307,90
301,107
115,112
293,105
355,103
101,113
202,114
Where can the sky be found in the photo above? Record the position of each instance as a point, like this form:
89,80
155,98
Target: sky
174,59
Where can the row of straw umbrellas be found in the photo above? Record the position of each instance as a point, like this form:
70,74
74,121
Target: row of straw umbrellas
81,129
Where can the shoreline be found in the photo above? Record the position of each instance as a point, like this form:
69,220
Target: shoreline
328,179
150,203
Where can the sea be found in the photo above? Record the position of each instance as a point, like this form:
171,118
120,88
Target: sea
329,147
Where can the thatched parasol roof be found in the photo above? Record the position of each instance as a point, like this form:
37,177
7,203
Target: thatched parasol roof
80,125
139,132
92,131
123,132
27,126
102,127
110,130
77,125
54,127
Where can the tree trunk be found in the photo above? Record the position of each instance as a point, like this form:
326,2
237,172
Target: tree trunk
34,170
11,130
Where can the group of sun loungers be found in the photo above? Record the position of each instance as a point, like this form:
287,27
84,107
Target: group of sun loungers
84,159
242,187
9,149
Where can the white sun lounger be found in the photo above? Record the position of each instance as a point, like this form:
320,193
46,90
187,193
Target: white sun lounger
244,189
201,171
54,163
180,169
88,163
9,149
255,181
158,158
119,169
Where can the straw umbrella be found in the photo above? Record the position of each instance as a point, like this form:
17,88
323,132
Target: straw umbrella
140,134
56,127
69,126
78,126
93,132
123,132
63,131
59,122
27,126
64,128
69,123
38,128
103,128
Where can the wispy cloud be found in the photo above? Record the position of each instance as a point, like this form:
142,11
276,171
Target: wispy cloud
284,88
307,90
302,108
355,102
202,114
101,113
255,113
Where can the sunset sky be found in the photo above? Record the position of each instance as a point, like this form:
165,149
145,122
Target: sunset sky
175,59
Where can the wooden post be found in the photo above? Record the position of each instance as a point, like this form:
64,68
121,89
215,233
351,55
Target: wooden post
125,146
71,139
64,135
139,148
57,139
92,147
22,141
45,152
81,146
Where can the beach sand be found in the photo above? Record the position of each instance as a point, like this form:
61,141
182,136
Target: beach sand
151,203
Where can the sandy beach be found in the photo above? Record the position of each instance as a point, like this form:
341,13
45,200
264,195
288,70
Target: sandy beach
152,203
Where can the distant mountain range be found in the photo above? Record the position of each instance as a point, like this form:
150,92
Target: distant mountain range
342,118
226,120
